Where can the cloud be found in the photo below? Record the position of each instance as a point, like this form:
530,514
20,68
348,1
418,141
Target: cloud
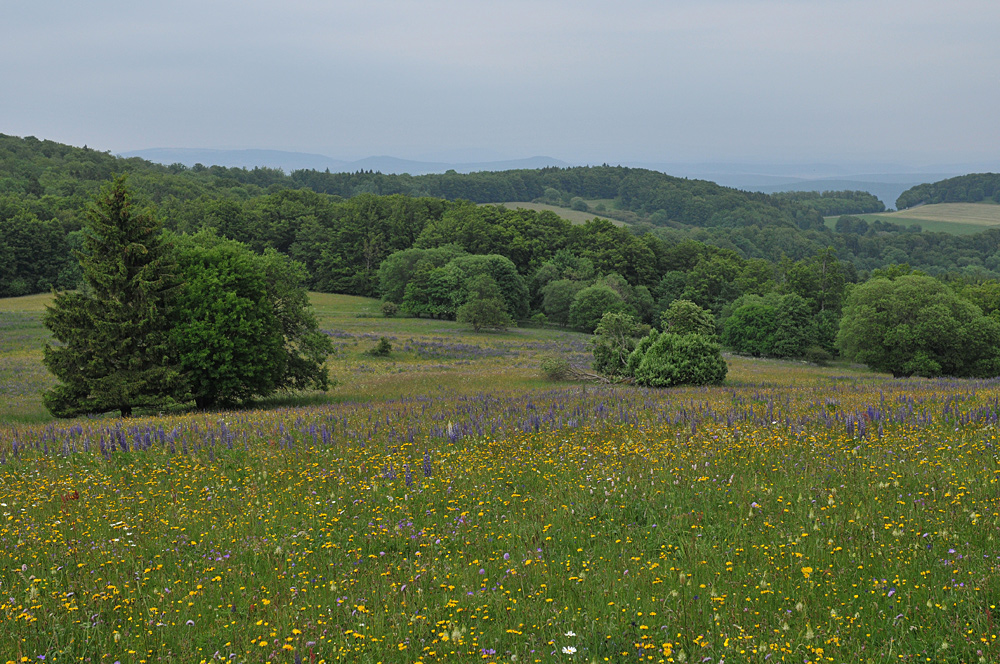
702,78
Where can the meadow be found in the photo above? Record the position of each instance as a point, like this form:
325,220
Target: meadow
955,218
449,504
574,216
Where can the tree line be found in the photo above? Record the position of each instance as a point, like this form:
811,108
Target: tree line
162,318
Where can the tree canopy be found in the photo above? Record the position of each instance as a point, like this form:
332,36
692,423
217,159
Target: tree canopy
915,325
241,325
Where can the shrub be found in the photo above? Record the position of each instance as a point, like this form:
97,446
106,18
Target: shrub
389,309
614,340
635,358
381,349
674,359
489,312
817,355
555,368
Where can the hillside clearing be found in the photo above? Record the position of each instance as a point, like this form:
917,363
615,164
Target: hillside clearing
954,218
574,216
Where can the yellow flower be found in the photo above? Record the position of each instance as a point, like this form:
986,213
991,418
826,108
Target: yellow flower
806,571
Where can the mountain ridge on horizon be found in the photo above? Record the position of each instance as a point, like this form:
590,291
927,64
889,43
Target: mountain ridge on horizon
289,161
762,177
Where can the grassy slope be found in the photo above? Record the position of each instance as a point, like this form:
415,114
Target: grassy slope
956,218
796,513
429,357
574,216
22,376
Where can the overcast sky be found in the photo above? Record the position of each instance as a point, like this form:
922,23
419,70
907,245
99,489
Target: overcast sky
910,81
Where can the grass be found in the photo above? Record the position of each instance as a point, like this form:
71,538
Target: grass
22,376
574,216
447,504
429,355
955,218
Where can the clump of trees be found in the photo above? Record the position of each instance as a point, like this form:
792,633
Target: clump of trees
484,305
163,320
916,325
684,353
972,188
774,325
830,203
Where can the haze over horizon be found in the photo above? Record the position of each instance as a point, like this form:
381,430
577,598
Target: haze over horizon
642,82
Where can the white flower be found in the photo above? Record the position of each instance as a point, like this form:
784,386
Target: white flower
568,650
571,633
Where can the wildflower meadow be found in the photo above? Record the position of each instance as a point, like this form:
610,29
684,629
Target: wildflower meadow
447,504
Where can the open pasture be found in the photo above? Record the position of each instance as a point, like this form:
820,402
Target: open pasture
574,216
796,515
955,218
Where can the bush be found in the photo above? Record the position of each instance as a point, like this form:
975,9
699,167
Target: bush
817,355
540,319
382,349
674,359
635,358
489,312
390,309
555,368
614,339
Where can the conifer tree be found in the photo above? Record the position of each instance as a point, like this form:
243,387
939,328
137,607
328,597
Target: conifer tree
113,351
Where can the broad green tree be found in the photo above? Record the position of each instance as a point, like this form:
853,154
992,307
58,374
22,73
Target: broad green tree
484,307
686,317
242,325
915,325
590,305
113,348
557,298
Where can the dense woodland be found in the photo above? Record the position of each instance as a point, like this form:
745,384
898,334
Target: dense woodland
419,241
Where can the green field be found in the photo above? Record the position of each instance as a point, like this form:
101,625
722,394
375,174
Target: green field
448,504
955,218
574,216
430,355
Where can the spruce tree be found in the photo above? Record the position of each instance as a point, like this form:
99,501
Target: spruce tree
114,351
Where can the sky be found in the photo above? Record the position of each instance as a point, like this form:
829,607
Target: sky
913,82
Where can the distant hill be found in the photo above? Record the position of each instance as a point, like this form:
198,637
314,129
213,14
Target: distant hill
972,188
294,161
887,187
